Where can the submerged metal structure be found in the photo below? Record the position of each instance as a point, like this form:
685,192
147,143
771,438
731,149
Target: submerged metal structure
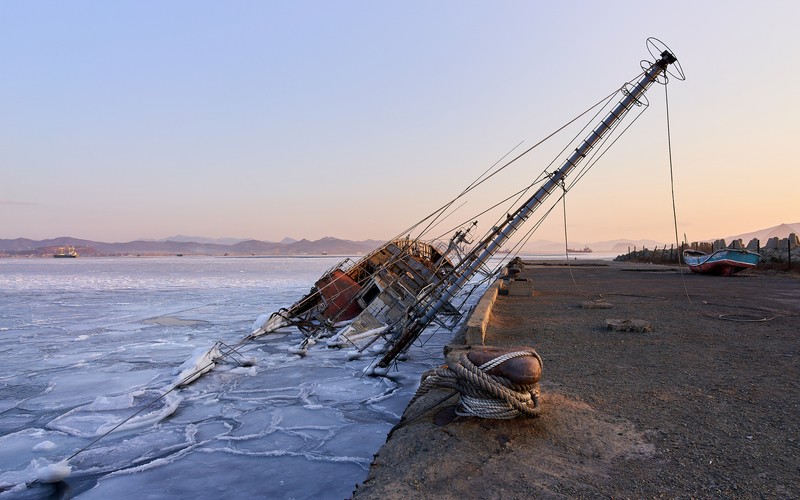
395,292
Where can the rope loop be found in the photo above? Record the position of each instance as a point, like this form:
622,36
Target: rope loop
481,394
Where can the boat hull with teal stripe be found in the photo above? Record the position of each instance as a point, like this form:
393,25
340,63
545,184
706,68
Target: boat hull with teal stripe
724,262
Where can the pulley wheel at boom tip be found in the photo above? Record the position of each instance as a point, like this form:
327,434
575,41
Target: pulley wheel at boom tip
642,99
656,47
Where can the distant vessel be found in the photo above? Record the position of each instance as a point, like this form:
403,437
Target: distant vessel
585,250
724,262
65,252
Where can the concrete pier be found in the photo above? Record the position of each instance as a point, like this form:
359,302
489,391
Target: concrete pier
700,406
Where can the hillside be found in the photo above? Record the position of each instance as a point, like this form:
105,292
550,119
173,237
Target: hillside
328,245
622,245
779,231
325,246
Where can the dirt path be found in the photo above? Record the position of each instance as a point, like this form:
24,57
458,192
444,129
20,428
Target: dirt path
700,406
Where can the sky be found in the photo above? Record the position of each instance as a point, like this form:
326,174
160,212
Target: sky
354,119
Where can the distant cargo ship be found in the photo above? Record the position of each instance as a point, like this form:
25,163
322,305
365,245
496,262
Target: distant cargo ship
65,252
585,250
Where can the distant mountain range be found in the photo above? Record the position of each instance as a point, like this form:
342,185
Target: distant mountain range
201,239
187,245
328,245
190,245
779,231
622,245
221,241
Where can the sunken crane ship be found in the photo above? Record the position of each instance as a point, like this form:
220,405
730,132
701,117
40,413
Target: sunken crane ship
384,301
392,294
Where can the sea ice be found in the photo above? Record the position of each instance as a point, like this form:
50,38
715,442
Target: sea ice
84,359
116,414
44,446
37,470
202,361
51,473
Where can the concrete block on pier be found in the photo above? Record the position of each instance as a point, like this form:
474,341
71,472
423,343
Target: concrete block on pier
596,304
479,318
520,287
629,325
772,243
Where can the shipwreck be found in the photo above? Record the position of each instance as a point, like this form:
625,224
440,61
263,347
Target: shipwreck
392,294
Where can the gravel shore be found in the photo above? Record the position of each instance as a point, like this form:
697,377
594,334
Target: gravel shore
704,405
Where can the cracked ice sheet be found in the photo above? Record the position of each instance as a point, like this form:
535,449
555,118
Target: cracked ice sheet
286,427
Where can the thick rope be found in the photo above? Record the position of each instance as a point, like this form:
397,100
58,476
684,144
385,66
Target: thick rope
483,395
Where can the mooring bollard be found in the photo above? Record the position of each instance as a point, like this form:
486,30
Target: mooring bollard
492,382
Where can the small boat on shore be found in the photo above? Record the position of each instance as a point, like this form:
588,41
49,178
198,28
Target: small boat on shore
723,262
65,252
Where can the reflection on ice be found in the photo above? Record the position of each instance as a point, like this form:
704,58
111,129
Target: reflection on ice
70,388
88,354
117,413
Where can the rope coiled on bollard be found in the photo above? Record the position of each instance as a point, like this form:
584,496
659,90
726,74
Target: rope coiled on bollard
483,395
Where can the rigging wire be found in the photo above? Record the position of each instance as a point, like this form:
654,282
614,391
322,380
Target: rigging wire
433,221
477,183
566,237
140,410
592,160
606,102
426,293
489,209
725,317
596,154
474,183
437,214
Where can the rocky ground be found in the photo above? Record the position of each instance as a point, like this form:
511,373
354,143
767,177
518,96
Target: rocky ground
705,405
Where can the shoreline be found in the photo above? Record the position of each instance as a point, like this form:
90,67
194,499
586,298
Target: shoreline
700,406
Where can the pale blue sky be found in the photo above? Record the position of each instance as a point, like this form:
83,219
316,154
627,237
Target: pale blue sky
125,120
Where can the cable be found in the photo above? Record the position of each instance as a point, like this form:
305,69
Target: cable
725,317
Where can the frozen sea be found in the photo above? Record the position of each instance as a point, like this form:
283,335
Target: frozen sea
88,343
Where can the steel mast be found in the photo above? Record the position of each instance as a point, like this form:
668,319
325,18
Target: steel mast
422,315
